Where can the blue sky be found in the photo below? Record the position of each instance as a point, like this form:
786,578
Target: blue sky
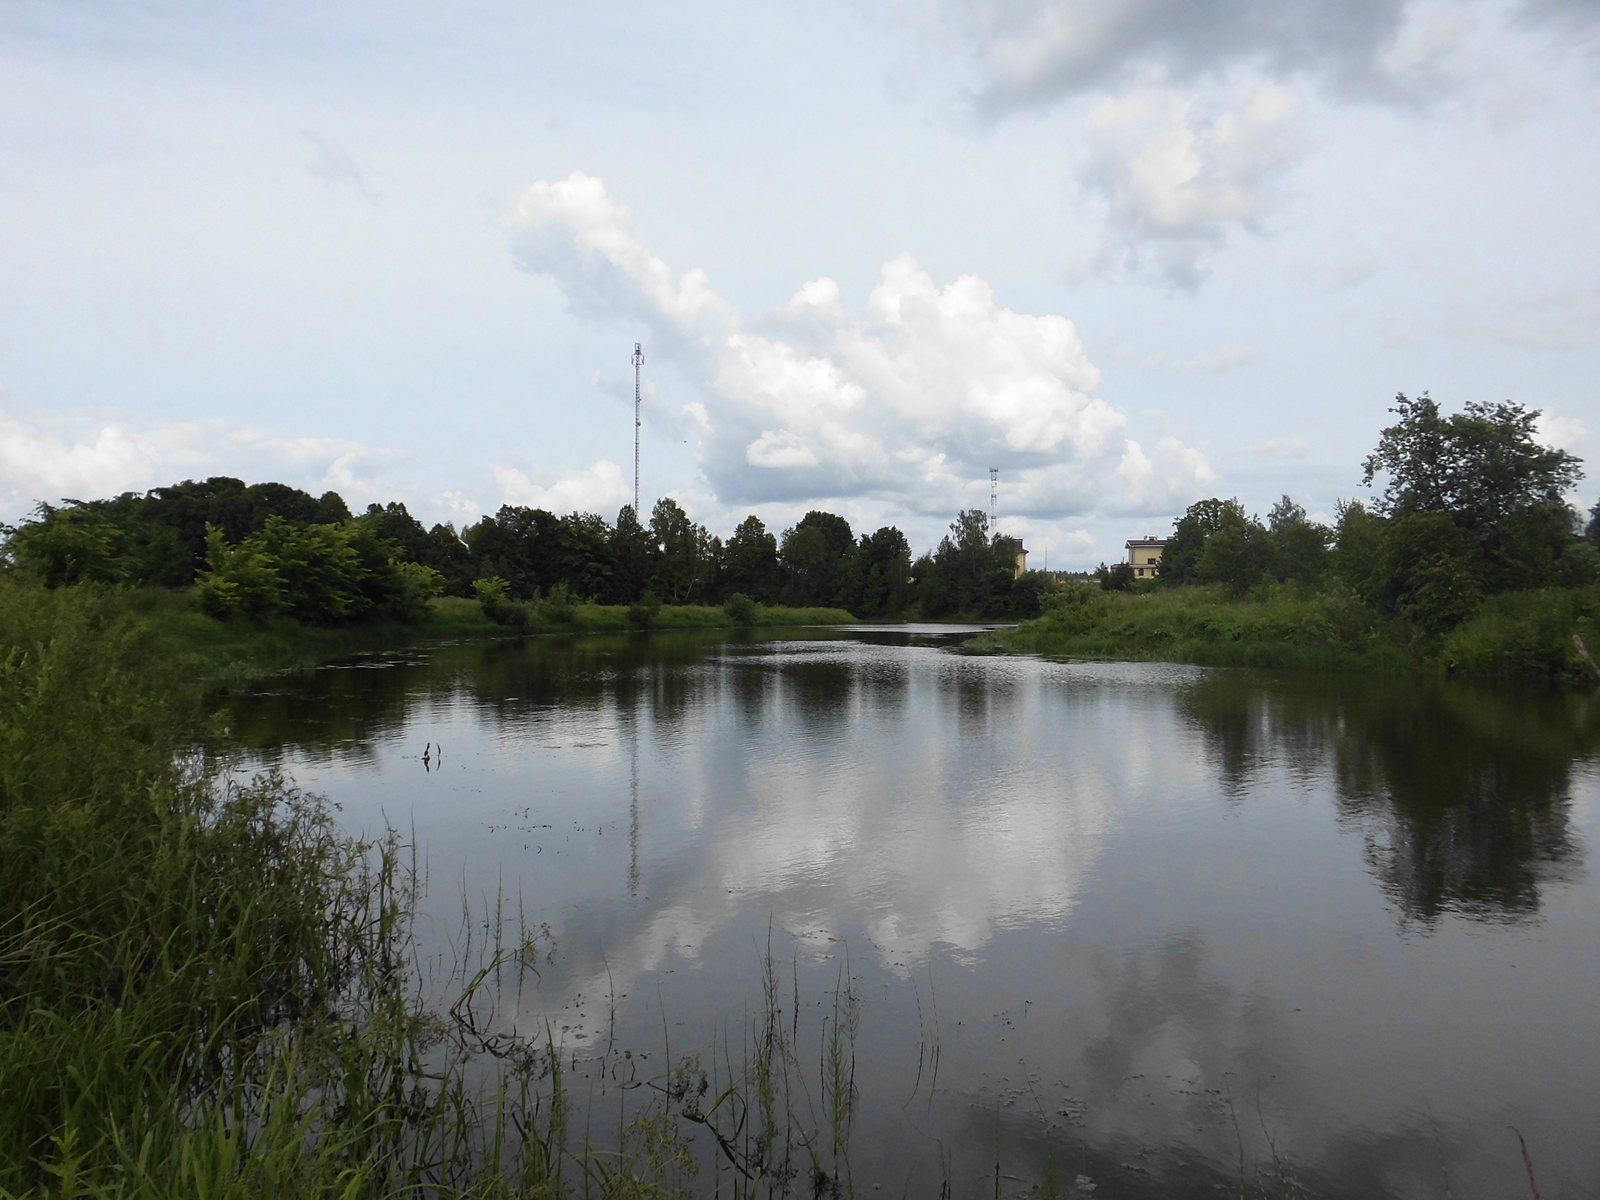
1132,253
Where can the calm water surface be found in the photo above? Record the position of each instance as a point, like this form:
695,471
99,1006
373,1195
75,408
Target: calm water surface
1176,930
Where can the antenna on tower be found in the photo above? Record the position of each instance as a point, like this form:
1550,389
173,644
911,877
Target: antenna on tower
638,361
994,500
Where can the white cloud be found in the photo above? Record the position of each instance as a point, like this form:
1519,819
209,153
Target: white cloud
1274,448
574,229
1183,118
1033,53
1561,433
1180,177
39,465
912,398
599,489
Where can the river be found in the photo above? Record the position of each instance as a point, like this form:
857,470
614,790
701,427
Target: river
1162,930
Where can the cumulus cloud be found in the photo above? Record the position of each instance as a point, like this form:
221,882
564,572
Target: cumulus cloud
1179,176
1034,52
39,464
601,488
1561,433
912,397
1183,118
573,230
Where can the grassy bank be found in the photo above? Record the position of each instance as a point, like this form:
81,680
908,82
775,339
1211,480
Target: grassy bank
1520,634
236,647
208,990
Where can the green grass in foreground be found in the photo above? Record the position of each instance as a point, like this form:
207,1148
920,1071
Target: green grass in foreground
1515,634
208,991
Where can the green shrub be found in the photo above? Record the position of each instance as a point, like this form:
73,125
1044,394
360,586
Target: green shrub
644,613
560,605
494,597
740,608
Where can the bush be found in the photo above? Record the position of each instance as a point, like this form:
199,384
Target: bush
740,608
560,605
644,613
494,597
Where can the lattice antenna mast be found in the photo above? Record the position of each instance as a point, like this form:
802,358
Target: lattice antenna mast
994,501
638,361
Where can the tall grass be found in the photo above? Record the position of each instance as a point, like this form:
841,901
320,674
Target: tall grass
1515,634
208,990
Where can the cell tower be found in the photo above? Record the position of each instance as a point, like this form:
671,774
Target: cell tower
994,500
638,361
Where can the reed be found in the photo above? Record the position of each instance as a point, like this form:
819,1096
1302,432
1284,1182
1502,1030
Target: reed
207,989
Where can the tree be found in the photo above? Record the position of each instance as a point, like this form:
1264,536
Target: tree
686,561
750,562
1476,467
884,558
74,543
587,564
819,560
633,555
521,545
1180,560
394,523
1296,548
1235,553
1118,578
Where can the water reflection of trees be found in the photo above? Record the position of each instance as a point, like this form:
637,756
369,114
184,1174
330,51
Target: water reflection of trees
1461,792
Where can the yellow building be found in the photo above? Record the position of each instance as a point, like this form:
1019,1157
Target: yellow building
1144,556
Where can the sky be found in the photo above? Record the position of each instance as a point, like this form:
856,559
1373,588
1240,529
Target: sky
1131,253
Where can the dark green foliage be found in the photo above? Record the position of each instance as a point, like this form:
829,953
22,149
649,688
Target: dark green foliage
394,524
884,567
560,605
158,538
1471,507
318,574
494,597
587,560
1180,560
1296,548
750,561
740,608
633,555
819,565
687,562
1215,541
643,612
972,574
298,568
1030,593
1477,467
447,554
1118,578
518,544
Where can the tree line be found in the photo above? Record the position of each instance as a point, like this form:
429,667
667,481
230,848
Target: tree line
269,549
1470,506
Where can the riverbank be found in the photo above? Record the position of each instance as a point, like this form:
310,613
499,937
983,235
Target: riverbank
210,989
238,648
1533,634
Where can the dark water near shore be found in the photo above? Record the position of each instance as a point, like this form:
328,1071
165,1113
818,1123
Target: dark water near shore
1179,931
